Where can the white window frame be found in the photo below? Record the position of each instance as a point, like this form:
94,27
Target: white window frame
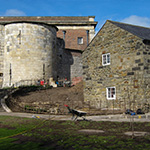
106,59
80,40
111,93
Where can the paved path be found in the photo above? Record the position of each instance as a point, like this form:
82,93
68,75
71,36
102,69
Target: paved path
117,118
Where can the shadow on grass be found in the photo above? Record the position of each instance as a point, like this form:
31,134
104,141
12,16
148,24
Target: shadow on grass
65,135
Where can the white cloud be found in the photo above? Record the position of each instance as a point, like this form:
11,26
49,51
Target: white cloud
136,20
14,12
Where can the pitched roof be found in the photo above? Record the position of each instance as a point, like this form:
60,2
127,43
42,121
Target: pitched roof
139,31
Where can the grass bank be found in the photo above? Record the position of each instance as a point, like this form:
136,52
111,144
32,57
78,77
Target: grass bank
36,134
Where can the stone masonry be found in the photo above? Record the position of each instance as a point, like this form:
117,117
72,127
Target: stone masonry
74,27
32,50
1,52
29,52
69,64
128,72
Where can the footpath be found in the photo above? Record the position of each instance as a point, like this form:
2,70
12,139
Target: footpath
115,118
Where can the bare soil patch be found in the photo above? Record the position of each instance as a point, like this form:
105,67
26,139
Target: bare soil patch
48,98
91,131
137,133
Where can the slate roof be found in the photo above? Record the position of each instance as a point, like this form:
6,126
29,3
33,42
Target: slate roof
139,31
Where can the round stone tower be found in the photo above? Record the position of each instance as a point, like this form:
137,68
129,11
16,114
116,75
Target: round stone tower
30,52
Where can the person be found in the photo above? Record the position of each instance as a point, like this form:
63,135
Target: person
38,82
42,82
57,81
65,82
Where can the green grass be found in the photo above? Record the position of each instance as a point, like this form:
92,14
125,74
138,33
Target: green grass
36,134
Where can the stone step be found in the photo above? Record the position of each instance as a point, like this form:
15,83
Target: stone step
2,94
1,108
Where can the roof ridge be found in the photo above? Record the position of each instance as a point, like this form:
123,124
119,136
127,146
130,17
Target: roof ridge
140,31
128,24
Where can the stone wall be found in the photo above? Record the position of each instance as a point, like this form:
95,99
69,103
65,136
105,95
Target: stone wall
1,53
36,33
30,52
69,63
33,52
127,71
74,27
76,68
146,67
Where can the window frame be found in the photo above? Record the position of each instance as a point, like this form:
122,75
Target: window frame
106,59
109,96
80,40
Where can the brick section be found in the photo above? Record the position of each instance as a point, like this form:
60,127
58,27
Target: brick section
71,38
76,80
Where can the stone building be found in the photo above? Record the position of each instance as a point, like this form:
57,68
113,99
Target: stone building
116,68
34,48
29,52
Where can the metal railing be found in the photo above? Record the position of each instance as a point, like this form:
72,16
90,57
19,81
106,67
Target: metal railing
26,83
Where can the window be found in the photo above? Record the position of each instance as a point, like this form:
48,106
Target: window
111,93
106,59
80,40
1,74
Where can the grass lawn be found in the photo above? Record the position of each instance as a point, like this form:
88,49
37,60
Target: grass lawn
36,134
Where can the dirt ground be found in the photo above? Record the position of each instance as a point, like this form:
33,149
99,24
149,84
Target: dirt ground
48,98
52,100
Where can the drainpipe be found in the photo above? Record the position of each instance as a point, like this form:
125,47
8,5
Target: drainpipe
10,74
87,33
43,71
64,34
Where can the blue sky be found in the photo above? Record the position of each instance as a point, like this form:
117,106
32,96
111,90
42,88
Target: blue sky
128,11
